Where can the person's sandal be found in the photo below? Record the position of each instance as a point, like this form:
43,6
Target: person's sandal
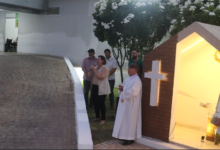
102,122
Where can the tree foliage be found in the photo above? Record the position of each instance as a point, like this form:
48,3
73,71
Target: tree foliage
141,24
132,24
205,11
149,21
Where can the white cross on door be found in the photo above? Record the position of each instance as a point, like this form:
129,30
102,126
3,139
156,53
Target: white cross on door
155,77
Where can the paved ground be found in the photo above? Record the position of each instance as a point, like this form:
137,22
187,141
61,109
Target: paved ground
116,144
36,103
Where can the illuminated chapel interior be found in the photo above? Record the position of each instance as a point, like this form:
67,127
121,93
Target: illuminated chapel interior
197,80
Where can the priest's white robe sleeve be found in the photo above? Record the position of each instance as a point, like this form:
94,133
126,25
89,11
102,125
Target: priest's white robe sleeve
217,113
119,92
131,92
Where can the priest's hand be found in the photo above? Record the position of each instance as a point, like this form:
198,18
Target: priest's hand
120,88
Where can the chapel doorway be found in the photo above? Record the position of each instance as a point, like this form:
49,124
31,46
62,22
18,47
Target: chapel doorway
11,32
198,91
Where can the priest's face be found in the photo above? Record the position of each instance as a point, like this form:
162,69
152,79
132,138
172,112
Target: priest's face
132,71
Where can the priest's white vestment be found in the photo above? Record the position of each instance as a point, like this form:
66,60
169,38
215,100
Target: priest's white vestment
128,118
217,113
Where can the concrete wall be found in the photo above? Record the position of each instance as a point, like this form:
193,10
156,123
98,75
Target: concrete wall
2,31
69,34
32,4
84,137
9,15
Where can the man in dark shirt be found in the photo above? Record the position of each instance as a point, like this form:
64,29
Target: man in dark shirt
135,59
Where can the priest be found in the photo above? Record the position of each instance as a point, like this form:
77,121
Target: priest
216,116
127,125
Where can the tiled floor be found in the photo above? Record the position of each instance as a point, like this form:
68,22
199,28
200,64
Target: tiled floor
192,138
115,144
36,103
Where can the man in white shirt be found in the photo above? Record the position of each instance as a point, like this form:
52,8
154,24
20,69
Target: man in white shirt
127,125
112,65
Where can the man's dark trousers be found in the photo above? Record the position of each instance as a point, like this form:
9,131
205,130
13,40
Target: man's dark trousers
87,86
111,95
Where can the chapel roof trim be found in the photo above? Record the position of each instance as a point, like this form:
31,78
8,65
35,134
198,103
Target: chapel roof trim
210,33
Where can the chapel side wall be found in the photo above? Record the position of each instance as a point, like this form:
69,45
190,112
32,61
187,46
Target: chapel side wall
156,120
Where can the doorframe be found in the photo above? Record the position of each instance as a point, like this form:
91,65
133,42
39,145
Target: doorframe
9,12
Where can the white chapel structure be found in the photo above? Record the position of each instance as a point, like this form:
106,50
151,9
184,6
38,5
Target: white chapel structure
178,101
